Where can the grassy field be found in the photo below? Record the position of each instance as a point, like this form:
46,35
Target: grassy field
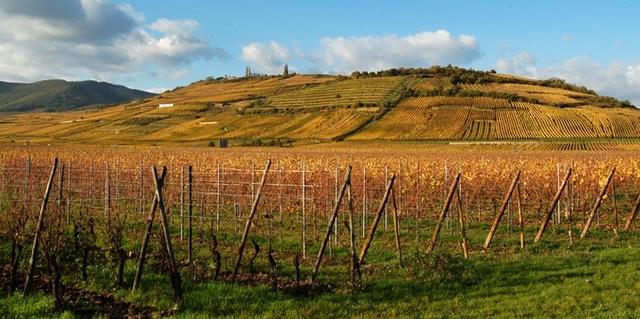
596,277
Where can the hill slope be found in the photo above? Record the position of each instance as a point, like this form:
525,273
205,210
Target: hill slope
435,104
60,95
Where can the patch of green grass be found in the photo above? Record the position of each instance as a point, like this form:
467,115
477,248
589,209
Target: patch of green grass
595,277
34,306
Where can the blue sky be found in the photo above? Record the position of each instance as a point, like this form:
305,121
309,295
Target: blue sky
162,44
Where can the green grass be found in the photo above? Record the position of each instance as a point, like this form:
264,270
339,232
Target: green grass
596,277
36,306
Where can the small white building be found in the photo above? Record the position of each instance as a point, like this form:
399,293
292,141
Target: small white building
163,105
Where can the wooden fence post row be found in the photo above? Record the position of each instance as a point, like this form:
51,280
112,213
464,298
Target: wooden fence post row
514,191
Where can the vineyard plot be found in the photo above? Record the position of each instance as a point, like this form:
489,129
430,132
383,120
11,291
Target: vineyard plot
105,199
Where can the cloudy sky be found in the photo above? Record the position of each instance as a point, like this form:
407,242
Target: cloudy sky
156,45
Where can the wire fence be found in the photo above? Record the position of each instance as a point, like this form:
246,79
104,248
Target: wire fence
299,198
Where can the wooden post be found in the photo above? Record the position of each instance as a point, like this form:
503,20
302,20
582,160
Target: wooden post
557,219
364,200
335,224
634,213
596,205
27,177
570,210
247,226
386,210
175,275
615,206
116,187
443,214
60,191
463,232
141,187
376,219
253,180
547,216
190,212
444,185
218,196
36,237
93,181
304,213
354,265
69,192
396,227
145,240
418,202
280,186
107,197
505,201
181,203
520,217
336,209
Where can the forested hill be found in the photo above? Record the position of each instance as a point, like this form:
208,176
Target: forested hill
60,95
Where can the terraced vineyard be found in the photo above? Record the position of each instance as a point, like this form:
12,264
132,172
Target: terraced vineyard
542,94
368,91
485,118
228,91
447,104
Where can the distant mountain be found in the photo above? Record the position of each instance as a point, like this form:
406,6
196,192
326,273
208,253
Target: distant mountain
60,95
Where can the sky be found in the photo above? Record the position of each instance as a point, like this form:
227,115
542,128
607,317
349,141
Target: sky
158,45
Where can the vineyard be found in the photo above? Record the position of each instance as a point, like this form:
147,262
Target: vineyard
305,109
484,118
151,223
341,93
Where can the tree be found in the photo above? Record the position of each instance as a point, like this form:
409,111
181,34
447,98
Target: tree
285,73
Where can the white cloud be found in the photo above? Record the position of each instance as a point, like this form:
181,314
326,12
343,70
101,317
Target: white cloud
156,90
618,79
523,63
75,39
177,43
370,53
268,58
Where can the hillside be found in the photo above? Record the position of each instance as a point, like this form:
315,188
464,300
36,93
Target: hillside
433,105
60,95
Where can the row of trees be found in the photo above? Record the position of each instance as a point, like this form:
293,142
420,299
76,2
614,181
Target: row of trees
248,73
